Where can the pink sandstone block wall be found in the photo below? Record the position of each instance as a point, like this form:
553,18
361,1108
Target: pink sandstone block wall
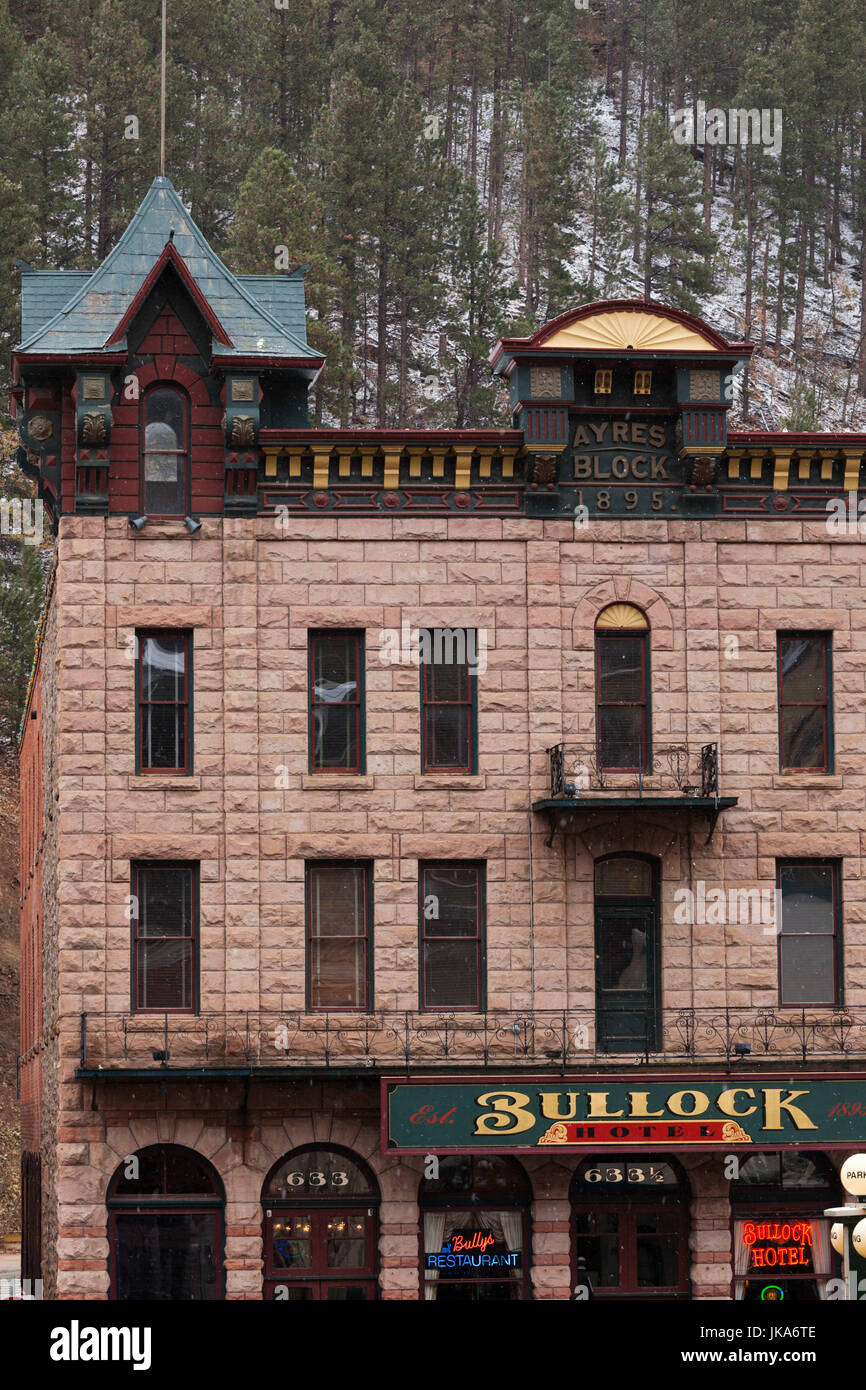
252,814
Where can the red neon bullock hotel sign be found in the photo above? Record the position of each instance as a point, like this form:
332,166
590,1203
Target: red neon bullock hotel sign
778,1243
519,1114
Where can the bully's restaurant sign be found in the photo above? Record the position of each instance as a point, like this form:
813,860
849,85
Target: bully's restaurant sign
520,1114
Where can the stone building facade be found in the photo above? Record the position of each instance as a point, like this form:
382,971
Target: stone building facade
602,863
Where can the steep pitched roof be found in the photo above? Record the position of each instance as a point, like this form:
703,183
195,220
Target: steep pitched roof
88,317
44,293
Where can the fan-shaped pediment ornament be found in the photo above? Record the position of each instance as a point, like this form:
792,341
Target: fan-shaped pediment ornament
629,330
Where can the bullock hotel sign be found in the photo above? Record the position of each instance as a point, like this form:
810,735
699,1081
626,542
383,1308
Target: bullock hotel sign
520,1114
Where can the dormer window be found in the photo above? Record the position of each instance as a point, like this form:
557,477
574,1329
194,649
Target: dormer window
165,470
603,382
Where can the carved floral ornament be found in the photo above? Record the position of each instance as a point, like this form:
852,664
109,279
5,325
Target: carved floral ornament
95,425
40,428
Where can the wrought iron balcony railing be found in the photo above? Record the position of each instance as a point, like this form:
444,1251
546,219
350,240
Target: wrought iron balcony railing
628,769
275,1042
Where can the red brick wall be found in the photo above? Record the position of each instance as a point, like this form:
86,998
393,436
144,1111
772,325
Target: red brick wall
30,877
165,343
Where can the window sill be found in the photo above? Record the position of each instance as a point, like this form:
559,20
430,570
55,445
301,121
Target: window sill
169,782
455,781
803,781
333,781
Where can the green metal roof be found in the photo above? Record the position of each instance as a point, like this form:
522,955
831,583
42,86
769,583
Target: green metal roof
262,315
44,293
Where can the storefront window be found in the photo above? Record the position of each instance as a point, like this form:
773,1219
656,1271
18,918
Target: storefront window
166,1222
475,1231
781,1240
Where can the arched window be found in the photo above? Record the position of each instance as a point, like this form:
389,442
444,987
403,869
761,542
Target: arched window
165,1206
622,689
475,1230
166,448
320,1233
781,1238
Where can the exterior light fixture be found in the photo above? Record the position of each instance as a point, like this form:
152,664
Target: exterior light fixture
853,1175
837,1237
137,522
858,1238
191,524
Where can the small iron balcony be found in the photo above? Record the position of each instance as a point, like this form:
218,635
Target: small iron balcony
586,778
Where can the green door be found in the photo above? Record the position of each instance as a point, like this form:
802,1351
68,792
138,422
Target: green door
627,963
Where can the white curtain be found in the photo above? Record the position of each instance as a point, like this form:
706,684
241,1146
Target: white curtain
434,1239
512,1229
821,1255
742,1255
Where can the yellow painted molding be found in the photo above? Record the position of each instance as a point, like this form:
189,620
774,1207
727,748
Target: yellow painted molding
366,465
702,450
781,472
415,465
462,468
827,467
804,466
756,465
321,469
734,460
392,469
852,469
485,458
508,465
345,465
439,465
270,465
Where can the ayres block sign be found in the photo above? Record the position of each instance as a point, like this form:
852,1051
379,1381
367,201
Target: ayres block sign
528,1113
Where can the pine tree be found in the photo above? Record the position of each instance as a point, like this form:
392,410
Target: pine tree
45,121
21,596
676,248
278,210
18,241
475,317
548,199
605,207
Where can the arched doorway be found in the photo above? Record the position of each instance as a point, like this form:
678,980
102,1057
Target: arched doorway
166,1227
630,1223
781,1238
627,953
320,1232
475,1231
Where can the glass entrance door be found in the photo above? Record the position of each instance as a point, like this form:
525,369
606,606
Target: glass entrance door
633,1251
320,1254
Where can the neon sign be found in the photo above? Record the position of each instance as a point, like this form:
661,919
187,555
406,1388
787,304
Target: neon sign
779,1243
470,1251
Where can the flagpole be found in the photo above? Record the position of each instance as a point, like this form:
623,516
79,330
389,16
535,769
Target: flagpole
162,98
